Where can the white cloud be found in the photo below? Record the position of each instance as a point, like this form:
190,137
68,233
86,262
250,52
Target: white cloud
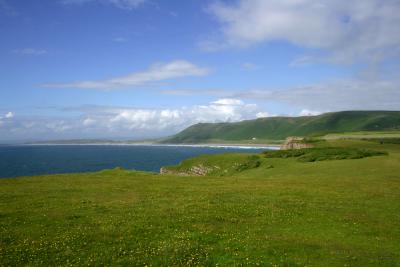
6,119
58,126
336,95
306,112
229,102
157,72
89,122
106,122
345,94
123,4
9,115
30,51
263,114
347,29
175,119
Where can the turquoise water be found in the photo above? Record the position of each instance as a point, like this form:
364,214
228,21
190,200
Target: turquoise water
28,160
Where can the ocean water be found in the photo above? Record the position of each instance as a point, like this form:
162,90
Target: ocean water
27,160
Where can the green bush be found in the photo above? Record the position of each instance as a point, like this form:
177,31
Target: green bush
252,162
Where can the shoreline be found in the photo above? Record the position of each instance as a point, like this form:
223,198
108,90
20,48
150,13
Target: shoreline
238,146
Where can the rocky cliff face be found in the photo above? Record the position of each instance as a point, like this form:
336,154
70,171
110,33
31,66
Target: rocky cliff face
295,142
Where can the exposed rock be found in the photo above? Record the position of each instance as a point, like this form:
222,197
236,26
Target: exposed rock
198,170
164,170
295,142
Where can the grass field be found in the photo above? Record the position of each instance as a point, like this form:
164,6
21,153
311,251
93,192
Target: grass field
360,135
282,212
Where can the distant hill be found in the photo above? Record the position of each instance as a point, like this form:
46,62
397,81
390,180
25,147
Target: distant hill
278,128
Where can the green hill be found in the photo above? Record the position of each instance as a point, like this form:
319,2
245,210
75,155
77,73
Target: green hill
278,128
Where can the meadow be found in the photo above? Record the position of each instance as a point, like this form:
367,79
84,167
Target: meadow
278,212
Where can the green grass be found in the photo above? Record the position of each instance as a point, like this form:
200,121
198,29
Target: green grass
324,153
219,165
385,140
364,135
278,128
324,213
257,141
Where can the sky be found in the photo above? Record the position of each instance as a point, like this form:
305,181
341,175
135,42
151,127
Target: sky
139,69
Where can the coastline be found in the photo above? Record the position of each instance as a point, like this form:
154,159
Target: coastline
45,159
238,146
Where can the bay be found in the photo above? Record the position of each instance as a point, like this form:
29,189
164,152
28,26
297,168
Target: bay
29,160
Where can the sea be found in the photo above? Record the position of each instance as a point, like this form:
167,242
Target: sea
29,160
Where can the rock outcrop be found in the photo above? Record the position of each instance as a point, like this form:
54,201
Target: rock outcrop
164,170
198,170
295,142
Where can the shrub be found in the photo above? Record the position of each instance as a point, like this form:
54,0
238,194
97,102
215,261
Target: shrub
251,163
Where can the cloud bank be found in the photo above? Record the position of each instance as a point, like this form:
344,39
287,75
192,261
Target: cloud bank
348,30
114,122
336,95
156,73
347,94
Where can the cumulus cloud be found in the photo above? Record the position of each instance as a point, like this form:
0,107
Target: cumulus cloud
306,112
347,29
157,72
6,119
9,115
172,119
263,115
123,4
30,51
229,102
95,122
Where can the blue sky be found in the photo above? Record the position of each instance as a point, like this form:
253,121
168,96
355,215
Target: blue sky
147,68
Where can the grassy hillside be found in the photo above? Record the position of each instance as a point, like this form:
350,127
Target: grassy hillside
280,212
278,128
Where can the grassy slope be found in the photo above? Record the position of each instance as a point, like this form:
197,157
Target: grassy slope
278,128
363,135
329,213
